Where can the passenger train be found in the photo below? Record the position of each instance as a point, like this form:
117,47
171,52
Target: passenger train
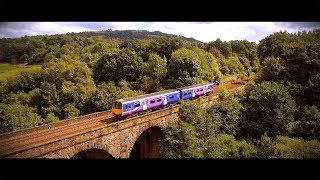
133,106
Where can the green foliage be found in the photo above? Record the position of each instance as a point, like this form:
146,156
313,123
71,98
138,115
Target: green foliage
156,67
309,125
70,111
232,65
223,47
51,118
71,78
299,55
105,94
195,115
8,70
265,147
225,114
141,47
272,69
92,53
16,116
116,65
181,141
296,148
184,68
103,97
247,52
223,91
124,85
164,47
268,108
148,84
195,126
209,65
225,146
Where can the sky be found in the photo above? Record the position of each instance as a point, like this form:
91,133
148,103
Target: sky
202,31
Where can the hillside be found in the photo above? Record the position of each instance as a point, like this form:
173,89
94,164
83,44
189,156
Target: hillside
132,35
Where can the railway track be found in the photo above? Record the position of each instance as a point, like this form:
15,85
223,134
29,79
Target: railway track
22,140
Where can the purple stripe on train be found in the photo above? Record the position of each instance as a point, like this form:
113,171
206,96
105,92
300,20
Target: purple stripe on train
155,102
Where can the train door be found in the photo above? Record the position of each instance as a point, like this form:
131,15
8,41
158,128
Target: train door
165,101
205,89
193,92
145,106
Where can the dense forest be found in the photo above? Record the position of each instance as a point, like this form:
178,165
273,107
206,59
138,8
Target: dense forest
275,115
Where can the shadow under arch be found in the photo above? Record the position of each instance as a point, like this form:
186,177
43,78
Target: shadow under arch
148,144
93,153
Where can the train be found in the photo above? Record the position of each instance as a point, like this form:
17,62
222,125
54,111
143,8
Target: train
129,107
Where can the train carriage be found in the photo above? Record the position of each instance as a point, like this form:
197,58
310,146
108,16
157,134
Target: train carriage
197,90
135,105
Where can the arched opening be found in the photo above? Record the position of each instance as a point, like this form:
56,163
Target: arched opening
148,144
93,154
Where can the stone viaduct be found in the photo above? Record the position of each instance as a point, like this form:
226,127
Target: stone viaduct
137,137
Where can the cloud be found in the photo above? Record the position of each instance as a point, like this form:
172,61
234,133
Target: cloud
203,31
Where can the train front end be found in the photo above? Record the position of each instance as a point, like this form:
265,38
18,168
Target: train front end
117,108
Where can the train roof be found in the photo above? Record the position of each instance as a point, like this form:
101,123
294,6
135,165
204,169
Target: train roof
146,95
161,92
196,85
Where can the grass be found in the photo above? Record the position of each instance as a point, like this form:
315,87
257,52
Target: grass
9,70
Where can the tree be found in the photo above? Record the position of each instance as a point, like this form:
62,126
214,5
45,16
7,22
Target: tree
141,47
272,69
209,65
225,114
156,67
232,65
51,118
309,125
181,141
225,146
70,111
223,47
165,46
116,65
196,115
268,108
102,99
72,80
296,148
299,54
147,84
184,68
266,147
16,116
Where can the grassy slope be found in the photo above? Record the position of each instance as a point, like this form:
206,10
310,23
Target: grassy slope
8,70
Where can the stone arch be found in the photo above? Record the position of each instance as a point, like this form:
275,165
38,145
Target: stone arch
96,150
142,133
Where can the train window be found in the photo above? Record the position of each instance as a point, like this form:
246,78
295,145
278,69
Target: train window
189,92
137,104
159,99
201,89
117,105
185,93
152,101
197,90
171,96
